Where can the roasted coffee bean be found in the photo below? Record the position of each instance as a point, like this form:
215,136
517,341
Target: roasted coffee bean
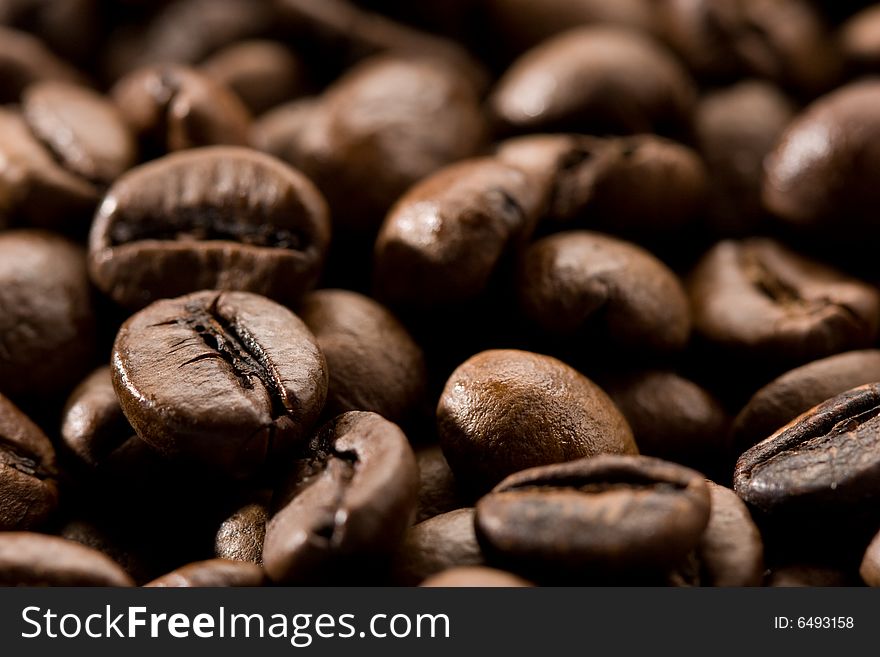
437,544
382,127
808,575
822,468
506,410
241,536
373,362
438,490
227,379
28,559
47,324
443,240
24,60
672,417
595,516
282,131
263,73
578,283
216,218
28,491
347,502
757,299
212,574
870,568
132,556
475,576
595,80
860,41
821,172
171,107
797,391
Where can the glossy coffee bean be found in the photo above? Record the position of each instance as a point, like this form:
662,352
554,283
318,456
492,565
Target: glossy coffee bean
226,379
24,60
374,363
241,535
870,566
171,108
799,390
28,490
506,410
580,283
443,240
438,490
28,559
600,515
821,172
215,218
595,80
348,499
822,468
47,321
437,544
475,577
211,574
759,300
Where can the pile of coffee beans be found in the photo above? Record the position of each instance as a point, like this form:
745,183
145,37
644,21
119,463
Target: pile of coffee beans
440,293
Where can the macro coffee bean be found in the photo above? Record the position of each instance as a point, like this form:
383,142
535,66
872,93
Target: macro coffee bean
505,410
595,80
757,299
798,390
860,41
437,544
475,576
229,218
821,171
603,515
579,283
438,490
212,573
444,238
28,559
47,322
349,497
241,535
870,566
24,59
28,490
820,469
171,108
373,362
225,379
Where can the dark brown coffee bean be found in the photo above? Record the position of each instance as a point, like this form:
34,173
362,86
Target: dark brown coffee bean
348,500
672,417
435,545
860,41
475,576
573,282
132,556
757,299
28,491
263,73
870,567
373,362
24,60
46,318
241,536
798,390
215,218
821,172
171,108
443,240
808,575
595,80
28,559
212,574
438,490
823,467
505,410
601,515
227,379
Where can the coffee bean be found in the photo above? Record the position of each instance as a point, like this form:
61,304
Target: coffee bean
437,544
24,60
348,499
438,490
241,536
601,515
28,559
215,218
860,40
373,362
47,322
870,568
578,282
506,410
808,575
475,576
132,556
226,379
796,391
212,574
28,491
595,80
